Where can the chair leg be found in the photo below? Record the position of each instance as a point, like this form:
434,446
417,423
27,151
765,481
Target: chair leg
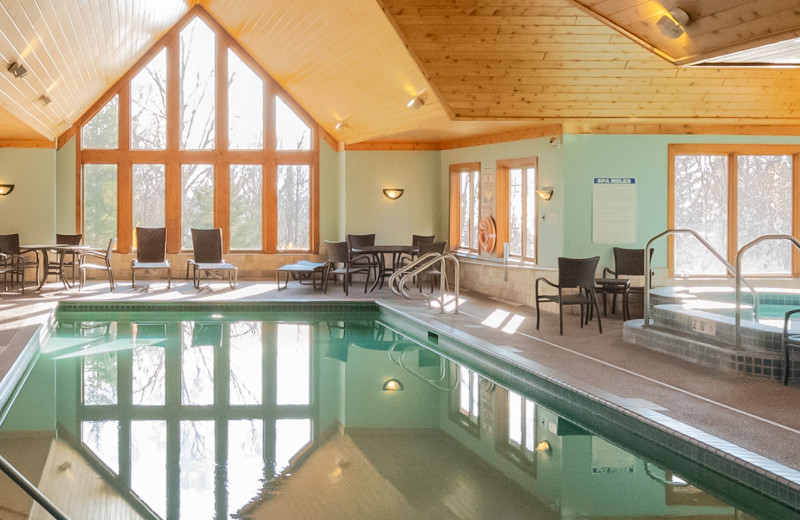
594,300
111,279
561,317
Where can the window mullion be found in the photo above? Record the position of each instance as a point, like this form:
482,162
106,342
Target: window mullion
733,190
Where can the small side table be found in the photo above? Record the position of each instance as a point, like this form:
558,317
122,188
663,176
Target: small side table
614,286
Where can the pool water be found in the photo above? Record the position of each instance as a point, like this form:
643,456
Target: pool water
237,415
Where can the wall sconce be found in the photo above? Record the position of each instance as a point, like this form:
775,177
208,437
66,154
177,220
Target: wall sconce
544,447
416,103
392,385
546,193
17,69
340,126
5,189
393,193
670,24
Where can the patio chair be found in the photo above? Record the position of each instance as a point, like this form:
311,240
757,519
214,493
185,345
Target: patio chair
9,245
72,260
90,266
359,260
433,271
338,253
11,267
207,244
416,240
576,275
627,263
151,252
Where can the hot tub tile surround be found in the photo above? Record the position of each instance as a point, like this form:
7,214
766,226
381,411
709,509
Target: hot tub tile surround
674,309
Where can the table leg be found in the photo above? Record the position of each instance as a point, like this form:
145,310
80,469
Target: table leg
43,268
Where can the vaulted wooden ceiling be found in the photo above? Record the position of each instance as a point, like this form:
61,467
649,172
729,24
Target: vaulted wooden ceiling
483,67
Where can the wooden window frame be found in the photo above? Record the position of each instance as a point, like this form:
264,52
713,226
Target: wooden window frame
733,151
220,157
502,198
455,205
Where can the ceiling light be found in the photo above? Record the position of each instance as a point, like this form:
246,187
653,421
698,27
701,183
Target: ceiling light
671,24
44,100
17,69
416,103
340,126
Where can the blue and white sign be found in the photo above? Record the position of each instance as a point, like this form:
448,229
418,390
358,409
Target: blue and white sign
614,210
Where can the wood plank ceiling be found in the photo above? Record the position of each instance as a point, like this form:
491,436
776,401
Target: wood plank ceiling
483,67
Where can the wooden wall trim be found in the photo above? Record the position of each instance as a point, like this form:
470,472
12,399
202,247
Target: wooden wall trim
66,136
26,143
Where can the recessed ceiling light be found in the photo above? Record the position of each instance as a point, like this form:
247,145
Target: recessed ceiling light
17,69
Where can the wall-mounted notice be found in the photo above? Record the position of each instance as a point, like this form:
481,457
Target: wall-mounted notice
614,210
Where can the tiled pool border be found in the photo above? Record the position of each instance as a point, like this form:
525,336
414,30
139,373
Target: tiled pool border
743,477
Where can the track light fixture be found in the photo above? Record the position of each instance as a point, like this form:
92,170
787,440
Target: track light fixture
17,69
416,103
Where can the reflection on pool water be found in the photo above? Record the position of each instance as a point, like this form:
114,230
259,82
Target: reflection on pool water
236,415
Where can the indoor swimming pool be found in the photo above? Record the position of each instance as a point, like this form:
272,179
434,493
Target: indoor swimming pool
337,411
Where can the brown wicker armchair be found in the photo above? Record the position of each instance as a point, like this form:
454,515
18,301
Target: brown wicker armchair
340,264
207,244
576,275
151,252
17,260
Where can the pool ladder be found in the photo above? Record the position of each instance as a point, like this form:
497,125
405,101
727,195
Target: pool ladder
401,277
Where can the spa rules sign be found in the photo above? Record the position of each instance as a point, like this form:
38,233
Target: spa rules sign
614,210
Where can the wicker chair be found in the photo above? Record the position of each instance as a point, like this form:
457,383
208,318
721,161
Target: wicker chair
576,275
360,261
627,263
72,260
16,260
207,244
340,264
151,252
433,271
105,266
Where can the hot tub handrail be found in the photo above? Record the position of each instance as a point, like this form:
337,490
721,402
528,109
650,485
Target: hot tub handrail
740,280
708,246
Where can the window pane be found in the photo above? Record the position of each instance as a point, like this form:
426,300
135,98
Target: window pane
530,426
102,131
149,374
294,364
198,86
197,366
246,345
464,210
197,204
100,379
475,210
514,419
149,463
102,438
515,211
530,213
294,203
291,435
99,204
148,185
245,106
701,204
245,462
291,132
476,394
765,207
246,206
149,105
197,470
463,390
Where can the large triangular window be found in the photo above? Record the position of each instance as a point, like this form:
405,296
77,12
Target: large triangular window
198,135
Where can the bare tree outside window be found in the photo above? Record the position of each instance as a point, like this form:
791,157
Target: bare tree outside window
149,105
293,206
102,131
246,206
99,204
149,198
198,86
197,204
292,132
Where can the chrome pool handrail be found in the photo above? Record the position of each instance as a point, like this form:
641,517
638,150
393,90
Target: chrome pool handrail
708,246
402,275
739,279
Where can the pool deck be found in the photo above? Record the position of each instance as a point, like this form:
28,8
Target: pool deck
757,414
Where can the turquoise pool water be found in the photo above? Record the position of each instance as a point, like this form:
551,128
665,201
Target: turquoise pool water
213,414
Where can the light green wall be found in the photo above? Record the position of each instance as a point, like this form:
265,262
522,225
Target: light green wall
30,209
393,221
65,188
549,213
331,193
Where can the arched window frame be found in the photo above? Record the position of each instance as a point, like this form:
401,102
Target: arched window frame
220,157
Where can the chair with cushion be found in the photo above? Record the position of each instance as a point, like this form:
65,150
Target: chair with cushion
433,271
207,244
90,266
627,263
9,246
340,263
71,260
151,252
576,276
